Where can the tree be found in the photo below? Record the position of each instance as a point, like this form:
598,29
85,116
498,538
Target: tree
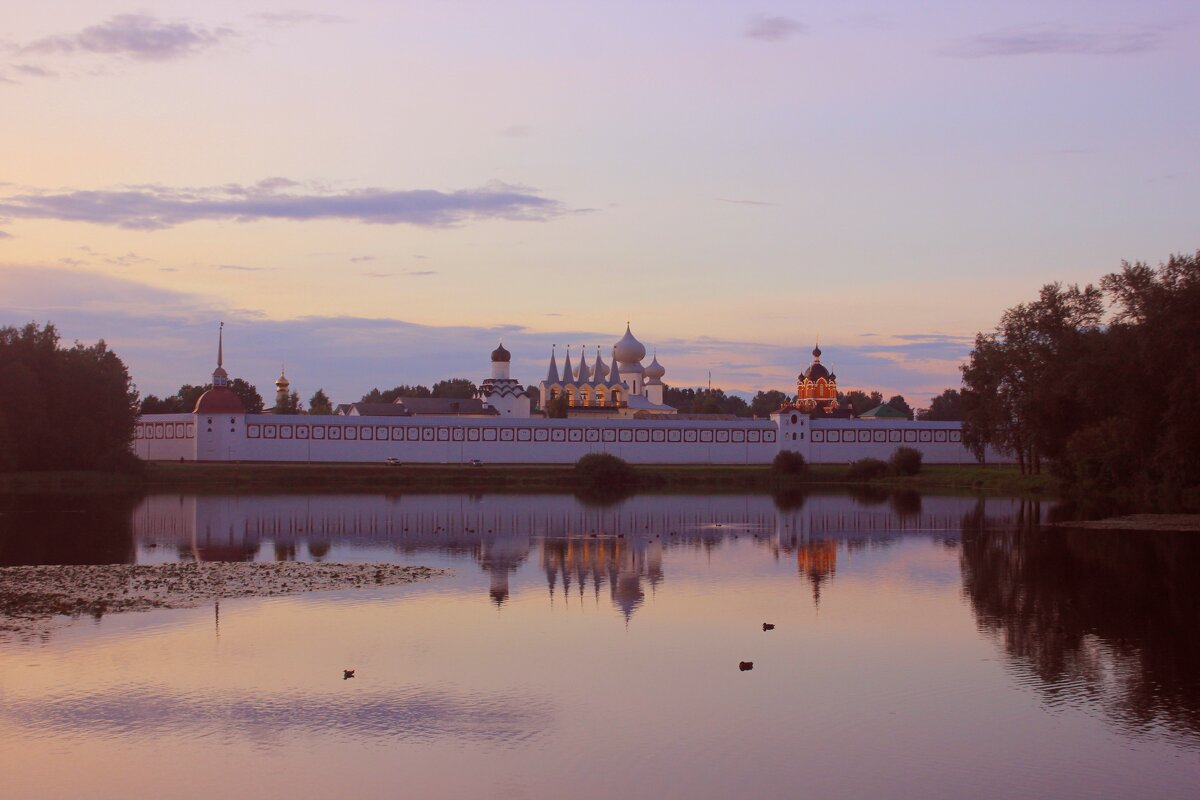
319,403
767,403
289,404
63,407
900,404
389,396
556,408
1014,397
946,407
705,401
860,401
535,397
458,388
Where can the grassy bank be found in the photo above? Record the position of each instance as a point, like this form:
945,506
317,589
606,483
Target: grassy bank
274,477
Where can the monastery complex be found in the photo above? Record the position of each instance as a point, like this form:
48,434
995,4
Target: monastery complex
615,408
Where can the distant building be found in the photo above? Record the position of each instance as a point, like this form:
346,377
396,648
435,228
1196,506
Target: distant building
500,391
883,411
816,392
600,390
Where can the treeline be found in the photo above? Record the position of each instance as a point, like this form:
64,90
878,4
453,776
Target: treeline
764,403
457,388
1098,383
184,400
63,407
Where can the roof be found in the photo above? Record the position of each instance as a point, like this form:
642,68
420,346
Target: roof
219,400
500,354
444,405
883,412
375,410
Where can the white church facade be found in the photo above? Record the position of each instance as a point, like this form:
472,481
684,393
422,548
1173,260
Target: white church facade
616,408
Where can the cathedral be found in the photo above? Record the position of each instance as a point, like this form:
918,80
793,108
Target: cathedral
816,392
623,389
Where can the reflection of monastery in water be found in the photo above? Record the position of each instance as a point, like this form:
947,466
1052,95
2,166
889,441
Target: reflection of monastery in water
621,550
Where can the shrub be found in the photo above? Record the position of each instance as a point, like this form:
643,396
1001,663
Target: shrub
603,469
789,462
867,469
905,461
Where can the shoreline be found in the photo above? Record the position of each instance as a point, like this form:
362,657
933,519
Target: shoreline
201,477
36,599
1169,523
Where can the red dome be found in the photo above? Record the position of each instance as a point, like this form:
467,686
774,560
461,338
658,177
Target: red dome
219,400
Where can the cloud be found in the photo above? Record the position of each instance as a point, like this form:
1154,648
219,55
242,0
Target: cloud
360,259
376,274
1056,41
745,202
421,272
34,71
289,19
240,268
773,29
5,235
154,207
516,131
140,36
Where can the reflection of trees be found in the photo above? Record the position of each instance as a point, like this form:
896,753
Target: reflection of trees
1114,613
77,529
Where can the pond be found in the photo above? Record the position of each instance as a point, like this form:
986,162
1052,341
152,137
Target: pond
923,646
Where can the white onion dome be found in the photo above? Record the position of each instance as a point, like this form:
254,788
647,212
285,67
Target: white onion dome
655,371
629,350
282,382
500,354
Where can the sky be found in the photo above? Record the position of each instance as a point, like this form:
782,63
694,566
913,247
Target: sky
375,193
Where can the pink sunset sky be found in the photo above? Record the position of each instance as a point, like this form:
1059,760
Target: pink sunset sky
374,193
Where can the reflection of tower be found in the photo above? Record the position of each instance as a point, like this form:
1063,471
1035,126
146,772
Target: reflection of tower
817,561
500,557
626,579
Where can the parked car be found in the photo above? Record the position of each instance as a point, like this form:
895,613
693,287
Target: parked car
392,462
475,462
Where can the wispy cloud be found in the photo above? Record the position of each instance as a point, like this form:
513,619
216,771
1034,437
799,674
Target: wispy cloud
360,259
773,29
33,71
289,19
242,268
156,207
516,131
744,202
5,235
1056,41
139,36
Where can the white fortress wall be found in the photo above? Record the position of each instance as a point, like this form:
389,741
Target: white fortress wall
165,437
457,440
840,441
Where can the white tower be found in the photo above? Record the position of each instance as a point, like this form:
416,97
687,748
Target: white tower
627,355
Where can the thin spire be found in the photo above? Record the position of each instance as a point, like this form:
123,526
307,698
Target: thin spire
221,345
568,373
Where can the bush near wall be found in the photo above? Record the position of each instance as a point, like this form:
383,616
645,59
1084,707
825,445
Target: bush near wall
605,470
905,461
867,469
789,462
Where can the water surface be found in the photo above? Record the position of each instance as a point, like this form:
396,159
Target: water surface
924,647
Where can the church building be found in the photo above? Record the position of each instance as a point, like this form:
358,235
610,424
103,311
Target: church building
621,389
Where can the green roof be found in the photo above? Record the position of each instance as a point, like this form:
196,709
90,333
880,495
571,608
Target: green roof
883,411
